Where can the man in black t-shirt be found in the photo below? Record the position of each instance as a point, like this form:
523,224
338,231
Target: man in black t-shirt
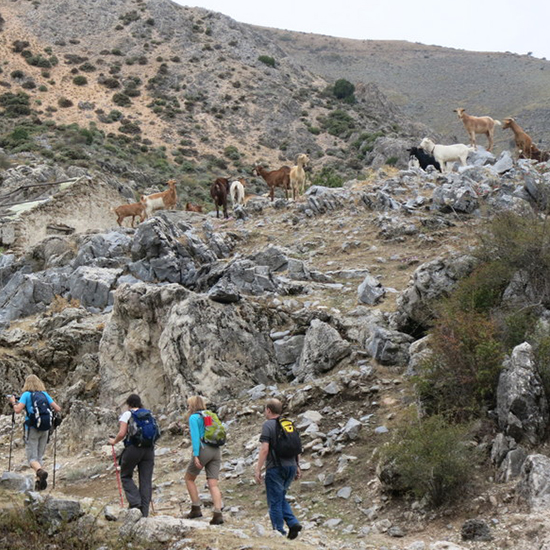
279,473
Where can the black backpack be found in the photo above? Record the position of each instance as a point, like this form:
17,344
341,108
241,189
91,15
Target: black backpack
41,417
287,440
143,429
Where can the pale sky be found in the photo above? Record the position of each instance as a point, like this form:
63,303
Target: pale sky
478,25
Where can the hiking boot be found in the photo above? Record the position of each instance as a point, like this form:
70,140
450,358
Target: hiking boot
293,531
194,513
41,482
217,519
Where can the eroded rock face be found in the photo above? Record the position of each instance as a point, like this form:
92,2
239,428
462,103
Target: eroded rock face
534,485
164,342
430,282
522,406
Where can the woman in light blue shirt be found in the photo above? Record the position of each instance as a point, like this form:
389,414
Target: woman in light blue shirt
204,456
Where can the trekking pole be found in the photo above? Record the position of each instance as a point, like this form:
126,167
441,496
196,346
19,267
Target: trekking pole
118,477
54,454
11,437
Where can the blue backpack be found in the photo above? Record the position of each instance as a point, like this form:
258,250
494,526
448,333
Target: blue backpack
143,429
41,416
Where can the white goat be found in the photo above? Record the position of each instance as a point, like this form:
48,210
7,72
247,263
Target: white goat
236,190
298,176
160,201
446,153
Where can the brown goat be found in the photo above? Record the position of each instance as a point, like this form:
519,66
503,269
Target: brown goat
126,210
190,207
478,125
275,178
219,191
524,143
161,201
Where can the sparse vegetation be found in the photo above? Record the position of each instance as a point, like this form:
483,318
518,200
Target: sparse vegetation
268,60
431,458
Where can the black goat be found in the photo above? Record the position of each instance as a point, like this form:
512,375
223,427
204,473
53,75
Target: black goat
424,159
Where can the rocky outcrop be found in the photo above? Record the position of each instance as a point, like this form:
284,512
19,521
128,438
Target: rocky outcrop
430,282
522,406
164,342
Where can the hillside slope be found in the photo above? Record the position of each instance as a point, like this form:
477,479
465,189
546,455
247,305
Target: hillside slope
181,90
428,82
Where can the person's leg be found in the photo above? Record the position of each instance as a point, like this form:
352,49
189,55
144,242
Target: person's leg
128,462
145,469
35,444
190,476
288,474
274,488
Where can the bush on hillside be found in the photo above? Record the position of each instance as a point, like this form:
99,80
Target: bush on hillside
344,90
268,60
338,123
431,458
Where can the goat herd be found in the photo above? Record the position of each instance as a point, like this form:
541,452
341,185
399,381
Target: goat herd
440,156
288,178
293,179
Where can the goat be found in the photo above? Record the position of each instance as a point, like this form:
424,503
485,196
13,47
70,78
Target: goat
126,210
190,207
298,176
526,148
478,125
160,201
219,191
423,158
446,153
236,191
275,178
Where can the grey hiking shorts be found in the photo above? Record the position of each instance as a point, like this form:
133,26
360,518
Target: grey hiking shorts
211,460
36,445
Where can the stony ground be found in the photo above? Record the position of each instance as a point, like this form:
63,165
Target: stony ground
346,238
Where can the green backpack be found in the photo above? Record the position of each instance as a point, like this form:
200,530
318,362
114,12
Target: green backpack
214,430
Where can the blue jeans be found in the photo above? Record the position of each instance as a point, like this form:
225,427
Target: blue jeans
277,481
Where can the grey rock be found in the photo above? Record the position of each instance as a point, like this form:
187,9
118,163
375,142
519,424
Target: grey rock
370,291
92,286
289,349
534,483
476,529
522,407
344,492
323,349
14,482
389,347
352,429
53,510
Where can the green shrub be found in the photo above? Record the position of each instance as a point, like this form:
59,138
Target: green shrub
522,244
328,177
80,80
17,74
232,152
338,123
431,458
122,100
39,61
64,102
392,161
87,67
343,89
268,60
15,105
